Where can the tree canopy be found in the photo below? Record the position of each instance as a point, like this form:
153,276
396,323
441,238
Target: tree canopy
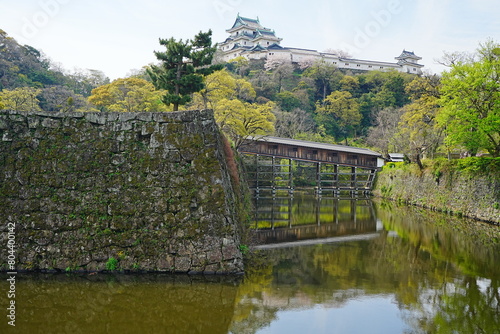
340,112
232,100
471,102
128,95
417,133
21,99
182,68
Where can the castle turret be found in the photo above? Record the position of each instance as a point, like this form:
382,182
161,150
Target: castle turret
409,61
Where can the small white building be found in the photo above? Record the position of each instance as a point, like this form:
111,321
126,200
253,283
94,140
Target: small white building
396,157
249,39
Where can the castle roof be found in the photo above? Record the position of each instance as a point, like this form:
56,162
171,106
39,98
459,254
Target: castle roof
275,46
266,32
245,22
408,54
257,47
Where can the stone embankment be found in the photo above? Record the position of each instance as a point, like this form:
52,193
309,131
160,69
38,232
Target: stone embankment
117,191
475,196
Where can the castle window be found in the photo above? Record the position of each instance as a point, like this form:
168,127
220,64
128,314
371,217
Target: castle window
358,65
369,66
381,66
346,64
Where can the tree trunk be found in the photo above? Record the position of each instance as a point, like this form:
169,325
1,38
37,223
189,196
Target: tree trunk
417,158
177,86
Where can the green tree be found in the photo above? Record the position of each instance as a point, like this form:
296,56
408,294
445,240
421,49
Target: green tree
288,101
350,84
231,100
340,114
23,65
21,99
128,95
241,119
471,102
238,65
183,66
417,132
222,85
323,74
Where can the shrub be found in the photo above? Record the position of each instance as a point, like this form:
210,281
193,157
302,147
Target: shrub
112,264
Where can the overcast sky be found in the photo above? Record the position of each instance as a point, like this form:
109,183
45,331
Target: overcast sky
115,36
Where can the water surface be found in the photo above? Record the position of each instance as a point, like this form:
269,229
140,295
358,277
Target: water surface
334,266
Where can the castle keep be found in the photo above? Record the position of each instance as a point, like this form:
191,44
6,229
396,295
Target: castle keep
249,39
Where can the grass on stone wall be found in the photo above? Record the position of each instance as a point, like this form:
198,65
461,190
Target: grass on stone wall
472,166
468,167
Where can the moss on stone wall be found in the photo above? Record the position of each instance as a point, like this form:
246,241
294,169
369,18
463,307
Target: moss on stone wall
151,190
465,187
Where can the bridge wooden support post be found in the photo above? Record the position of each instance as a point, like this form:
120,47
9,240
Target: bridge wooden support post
353,182
257,176
318,178
335,183
371,178
318,212
290,177
353,210
273,174
336,209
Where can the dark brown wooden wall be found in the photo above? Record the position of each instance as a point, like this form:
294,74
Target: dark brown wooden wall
309,154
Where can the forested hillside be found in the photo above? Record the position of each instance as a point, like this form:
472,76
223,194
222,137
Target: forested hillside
420,116
30,81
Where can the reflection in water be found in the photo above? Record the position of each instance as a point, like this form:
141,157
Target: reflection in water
418,273
284,217
122,304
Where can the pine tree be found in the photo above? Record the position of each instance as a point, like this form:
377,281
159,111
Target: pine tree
183,66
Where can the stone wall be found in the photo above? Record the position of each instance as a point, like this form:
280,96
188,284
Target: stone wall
124,191
475,196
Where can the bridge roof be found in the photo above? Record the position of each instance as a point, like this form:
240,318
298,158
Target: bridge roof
315,145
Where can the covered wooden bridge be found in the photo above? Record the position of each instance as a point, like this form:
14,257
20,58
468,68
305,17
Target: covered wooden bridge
336,167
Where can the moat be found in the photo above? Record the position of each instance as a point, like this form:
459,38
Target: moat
325,265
